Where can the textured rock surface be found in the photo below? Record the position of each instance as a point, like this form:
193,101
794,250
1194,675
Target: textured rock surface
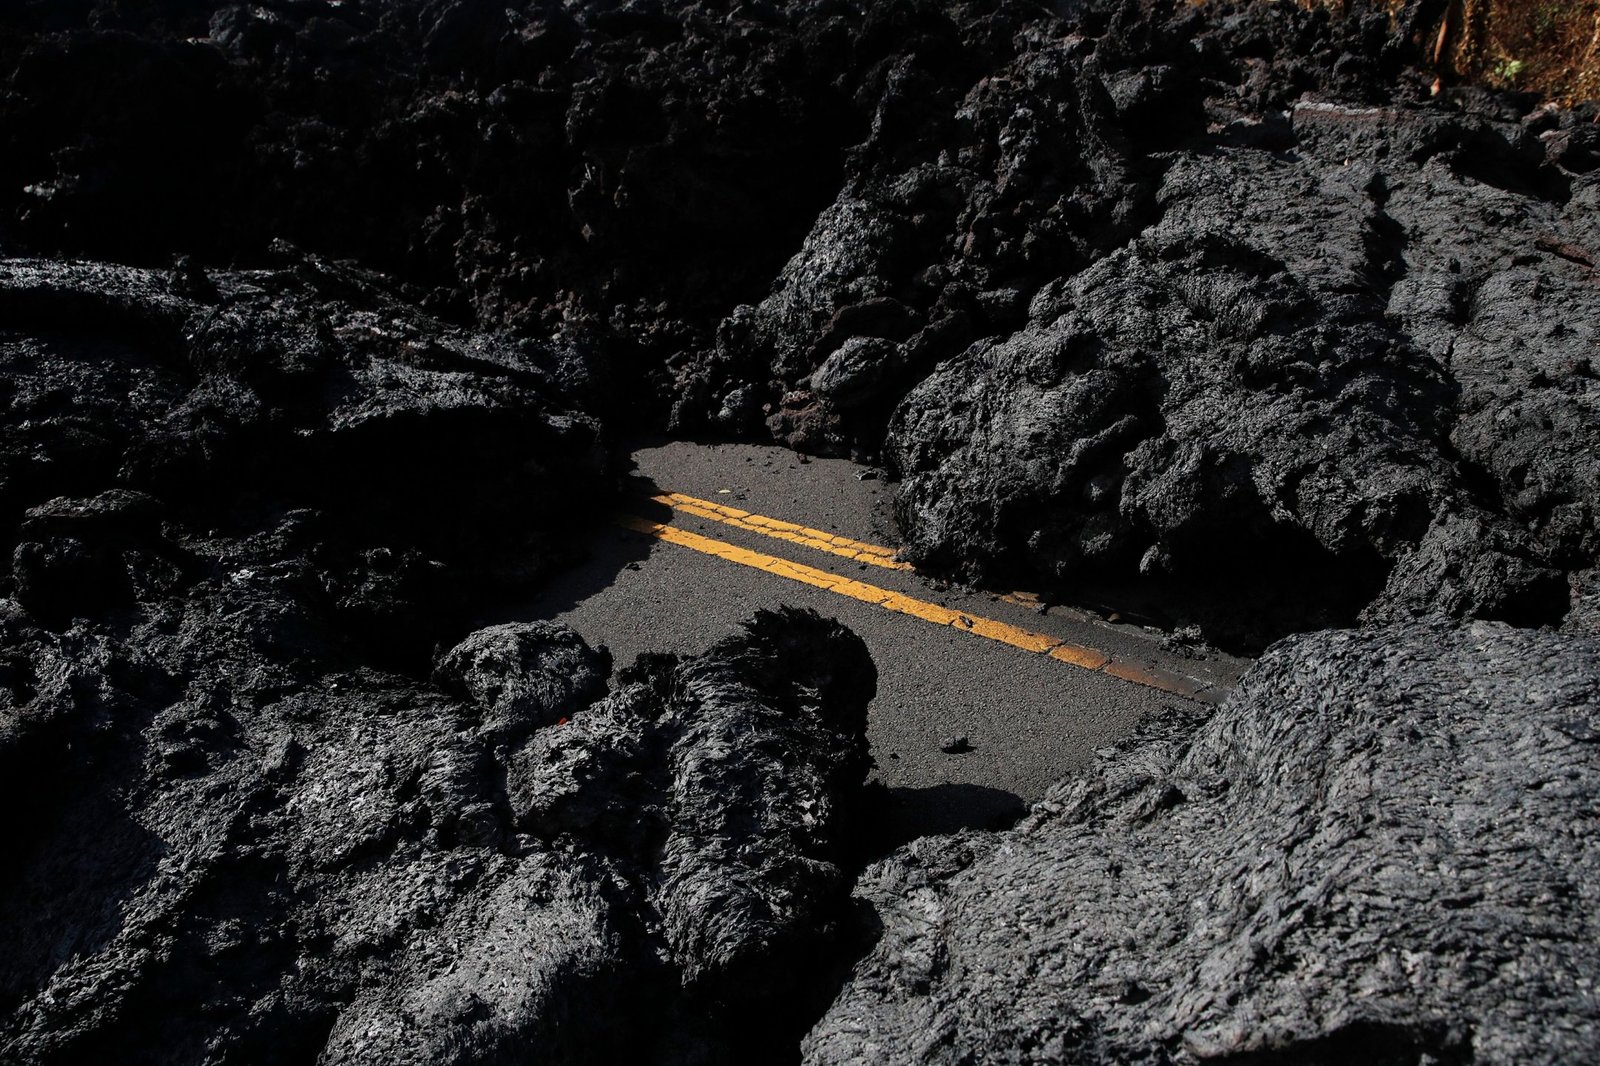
1321,364
1381,849
1199,298
523,675
403,463
241,510
238,851
1211,299
618,173
1348,402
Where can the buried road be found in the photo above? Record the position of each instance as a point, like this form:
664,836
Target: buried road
1027,692
1254,300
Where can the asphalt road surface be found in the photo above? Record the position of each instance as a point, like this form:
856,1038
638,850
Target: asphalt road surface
716,532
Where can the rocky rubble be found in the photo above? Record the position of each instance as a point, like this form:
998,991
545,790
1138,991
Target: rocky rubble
609,172
1148,312
243,511
1379,850
236,853
318,317
968,197
148,431
1347,402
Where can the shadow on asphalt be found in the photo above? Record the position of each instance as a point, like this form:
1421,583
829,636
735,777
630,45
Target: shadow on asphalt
609,551
901,815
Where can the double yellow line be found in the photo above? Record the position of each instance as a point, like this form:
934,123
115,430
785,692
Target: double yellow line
879,556
860,551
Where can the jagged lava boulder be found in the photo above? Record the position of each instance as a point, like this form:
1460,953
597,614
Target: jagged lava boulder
138,409
1380,849
238,850
1311,385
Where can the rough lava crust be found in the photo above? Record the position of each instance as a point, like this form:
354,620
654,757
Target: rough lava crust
241,853
319,320
1379,850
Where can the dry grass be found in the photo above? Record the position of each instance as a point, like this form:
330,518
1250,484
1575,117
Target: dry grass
1551,47
1547,46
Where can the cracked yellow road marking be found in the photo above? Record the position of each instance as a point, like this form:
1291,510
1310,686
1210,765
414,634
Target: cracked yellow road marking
833,543
1003,632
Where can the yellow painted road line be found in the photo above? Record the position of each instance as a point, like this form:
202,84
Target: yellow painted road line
1087,658
1037,643
858,550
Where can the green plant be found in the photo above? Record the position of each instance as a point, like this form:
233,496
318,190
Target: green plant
1508,70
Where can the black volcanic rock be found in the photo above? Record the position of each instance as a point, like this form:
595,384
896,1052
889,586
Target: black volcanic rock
858,229
237,849
1380,849
1006,150
1304,372
745,760
255,830
1134,304
143,427
523,675
1213,305
608,171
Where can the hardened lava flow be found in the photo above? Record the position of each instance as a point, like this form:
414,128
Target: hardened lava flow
325,326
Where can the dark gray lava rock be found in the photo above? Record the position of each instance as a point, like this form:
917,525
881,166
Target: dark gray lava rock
714,766
1217,297
1342,407
1381,848
855,372
1006,149
1585,614
93,554
621,173
524,675
789,220
994,166
239,851
314,387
